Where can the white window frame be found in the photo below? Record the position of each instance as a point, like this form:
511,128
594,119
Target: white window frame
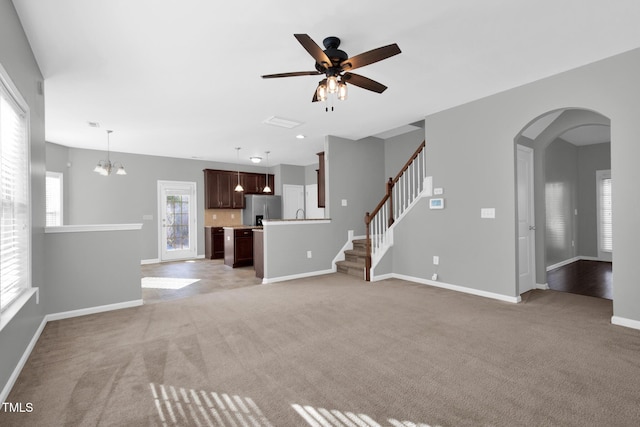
9,308
60,177
604,254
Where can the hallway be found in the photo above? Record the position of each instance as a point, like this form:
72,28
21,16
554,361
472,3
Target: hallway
590,278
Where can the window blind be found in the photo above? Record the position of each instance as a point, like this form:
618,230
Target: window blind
14,192
606,224
53,199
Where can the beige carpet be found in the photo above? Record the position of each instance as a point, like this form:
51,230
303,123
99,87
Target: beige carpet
331,351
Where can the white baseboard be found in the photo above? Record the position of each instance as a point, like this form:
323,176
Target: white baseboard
23,360
150,261
57,316
458,288
543,286
382,277
93,310
572,260
298,276
623,321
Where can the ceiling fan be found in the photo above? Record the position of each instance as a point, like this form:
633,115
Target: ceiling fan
336,65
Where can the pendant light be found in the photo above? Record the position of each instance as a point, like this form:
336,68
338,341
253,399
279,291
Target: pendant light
238,187
105,167
267,189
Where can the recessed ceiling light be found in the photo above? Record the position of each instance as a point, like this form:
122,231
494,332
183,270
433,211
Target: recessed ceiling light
301,136
93,124
255,159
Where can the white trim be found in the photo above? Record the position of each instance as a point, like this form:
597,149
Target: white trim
150,261
347,246
382,277
574,259
17,304
298,276
627,323
542,286
456,288
23,360
272,222
92,227
93,310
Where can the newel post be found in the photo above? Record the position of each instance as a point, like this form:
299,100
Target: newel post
390,194
367,259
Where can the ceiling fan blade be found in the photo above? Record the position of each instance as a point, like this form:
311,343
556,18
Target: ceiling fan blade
364,82
370,57
314,50
295,73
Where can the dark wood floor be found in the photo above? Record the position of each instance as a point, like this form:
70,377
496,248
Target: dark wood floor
591,278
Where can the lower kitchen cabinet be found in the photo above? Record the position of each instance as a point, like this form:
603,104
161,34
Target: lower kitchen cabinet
238,246
214,242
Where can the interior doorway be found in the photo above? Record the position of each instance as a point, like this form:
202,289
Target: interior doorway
571,148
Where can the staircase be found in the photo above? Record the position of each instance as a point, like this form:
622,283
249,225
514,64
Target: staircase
354,259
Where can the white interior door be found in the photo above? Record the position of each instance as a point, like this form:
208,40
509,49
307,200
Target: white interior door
292,201
177,220
311,202
526,220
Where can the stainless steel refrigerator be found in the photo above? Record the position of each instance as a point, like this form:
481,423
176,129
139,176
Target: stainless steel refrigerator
258,207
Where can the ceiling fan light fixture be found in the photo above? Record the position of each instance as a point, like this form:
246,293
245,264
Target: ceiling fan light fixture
342,91
322,92
332,84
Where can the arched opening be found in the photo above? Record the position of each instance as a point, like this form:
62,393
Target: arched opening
563,166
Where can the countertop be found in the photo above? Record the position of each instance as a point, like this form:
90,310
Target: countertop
242,227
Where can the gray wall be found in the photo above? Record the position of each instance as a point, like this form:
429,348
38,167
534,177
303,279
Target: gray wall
561,194
591,158
95,199
18,60
471,155
399,149
78,276
354,172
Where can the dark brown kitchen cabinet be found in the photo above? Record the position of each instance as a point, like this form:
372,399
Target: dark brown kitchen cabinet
254,183
219,190
238,247
214,242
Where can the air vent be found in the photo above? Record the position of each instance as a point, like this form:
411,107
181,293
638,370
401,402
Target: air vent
93,124
280,122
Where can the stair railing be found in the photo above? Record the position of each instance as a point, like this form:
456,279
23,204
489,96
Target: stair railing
401,191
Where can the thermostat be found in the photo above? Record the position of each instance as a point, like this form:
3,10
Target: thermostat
436,203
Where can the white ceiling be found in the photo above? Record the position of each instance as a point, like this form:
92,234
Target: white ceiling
587,135
182,79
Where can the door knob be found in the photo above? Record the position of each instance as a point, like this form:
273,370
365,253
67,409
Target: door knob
532,227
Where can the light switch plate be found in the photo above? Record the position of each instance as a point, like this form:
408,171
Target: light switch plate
344,202
438,191
489,213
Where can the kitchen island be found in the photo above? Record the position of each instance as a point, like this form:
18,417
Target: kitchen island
238,245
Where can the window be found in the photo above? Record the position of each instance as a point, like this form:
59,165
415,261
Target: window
605,222
54,199
15,228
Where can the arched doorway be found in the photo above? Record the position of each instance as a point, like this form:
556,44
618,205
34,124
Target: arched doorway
569,148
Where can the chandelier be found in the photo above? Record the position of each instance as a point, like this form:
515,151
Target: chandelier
105,167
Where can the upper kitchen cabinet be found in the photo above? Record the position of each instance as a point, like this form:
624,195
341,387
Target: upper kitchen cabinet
219,191
254,183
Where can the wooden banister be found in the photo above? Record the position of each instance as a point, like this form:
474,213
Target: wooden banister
387,197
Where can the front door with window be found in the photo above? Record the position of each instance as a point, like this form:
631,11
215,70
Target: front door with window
177,214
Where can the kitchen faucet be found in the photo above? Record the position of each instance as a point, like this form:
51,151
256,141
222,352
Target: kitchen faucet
299,211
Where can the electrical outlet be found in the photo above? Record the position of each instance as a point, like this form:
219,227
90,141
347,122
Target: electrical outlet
308,254
435,276
344,202
436,260
233,216
215,216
